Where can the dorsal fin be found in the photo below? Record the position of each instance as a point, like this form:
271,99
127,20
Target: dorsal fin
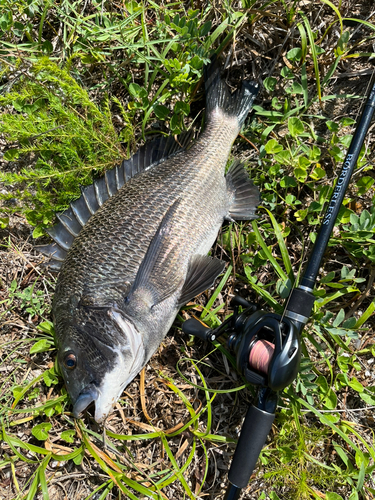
75,217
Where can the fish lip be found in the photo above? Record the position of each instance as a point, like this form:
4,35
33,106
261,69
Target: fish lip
89,394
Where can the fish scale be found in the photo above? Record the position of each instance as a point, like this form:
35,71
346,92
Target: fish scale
143,252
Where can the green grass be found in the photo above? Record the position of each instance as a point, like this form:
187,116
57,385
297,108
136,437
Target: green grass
82,86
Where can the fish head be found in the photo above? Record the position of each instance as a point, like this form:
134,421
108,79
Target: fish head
98,359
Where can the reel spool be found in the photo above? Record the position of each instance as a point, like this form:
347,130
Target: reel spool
261,353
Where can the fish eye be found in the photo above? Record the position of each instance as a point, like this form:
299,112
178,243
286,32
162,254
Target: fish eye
70,361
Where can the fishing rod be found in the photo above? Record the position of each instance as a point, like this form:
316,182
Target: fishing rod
267,345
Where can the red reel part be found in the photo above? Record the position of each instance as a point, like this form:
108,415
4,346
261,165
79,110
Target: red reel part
261,355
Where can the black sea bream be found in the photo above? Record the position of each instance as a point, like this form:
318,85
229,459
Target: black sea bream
133,249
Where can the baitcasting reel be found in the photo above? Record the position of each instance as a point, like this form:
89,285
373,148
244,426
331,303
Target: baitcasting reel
267,350
267,347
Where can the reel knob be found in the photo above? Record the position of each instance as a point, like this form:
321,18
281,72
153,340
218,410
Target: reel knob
194,327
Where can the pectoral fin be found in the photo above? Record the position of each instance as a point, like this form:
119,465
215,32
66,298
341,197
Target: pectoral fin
202,272
155,262
245,196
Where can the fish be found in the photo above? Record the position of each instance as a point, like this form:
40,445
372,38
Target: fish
133,248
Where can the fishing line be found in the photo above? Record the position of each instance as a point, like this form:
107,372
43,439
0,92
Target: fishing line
261,353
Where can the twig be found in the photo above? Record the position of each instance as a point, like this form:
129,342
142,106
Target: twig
142,395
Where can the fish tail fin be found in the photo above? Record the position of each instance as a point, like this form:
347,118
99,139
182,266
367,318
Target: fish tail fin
218,96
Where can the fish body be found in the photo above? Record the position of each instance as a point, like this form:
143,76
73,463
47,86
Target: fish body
143,253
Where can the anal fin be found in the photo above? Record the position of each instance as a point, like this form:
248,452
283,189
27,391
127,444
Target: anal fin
244,194
202,272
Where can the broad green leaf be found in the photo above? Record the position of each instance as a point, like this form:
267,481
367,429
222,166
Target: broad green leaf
137,91
333,496
78,458
355,384
46,327
367,398
294,54
288,181
330,401
333,417
40,431
17,390
68,435
38,231
270,83
161,111
273,147
182,107
318,173
41,346
50,377
339,318
295,126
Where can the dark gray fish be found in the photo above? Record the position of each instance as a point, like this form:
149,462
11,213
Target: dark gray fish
133,248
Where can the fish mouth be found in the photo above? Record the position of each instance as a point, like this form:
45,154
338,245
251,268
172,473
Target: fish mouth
89,394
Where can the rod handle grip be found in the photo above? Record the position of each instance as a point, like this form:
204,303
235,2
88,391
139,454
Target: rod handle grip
255,429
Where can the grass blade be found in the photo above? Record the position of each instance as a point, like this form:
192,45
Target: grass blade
302,33
42,478
267,297
218,31
331,71
176,468
267,252
337,12
33,488
314,55
361,21
366,315
218,289
328,422
282,246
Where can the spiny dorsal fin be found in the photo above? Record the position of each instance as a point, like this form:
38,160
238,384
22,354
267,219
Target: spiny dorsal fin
245,195
75,217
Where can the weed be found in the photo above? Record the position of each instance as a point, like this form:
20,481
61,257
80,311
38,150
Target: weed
49,115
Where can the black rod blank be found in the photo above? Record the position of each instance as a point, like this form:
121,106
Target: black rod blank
338,194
